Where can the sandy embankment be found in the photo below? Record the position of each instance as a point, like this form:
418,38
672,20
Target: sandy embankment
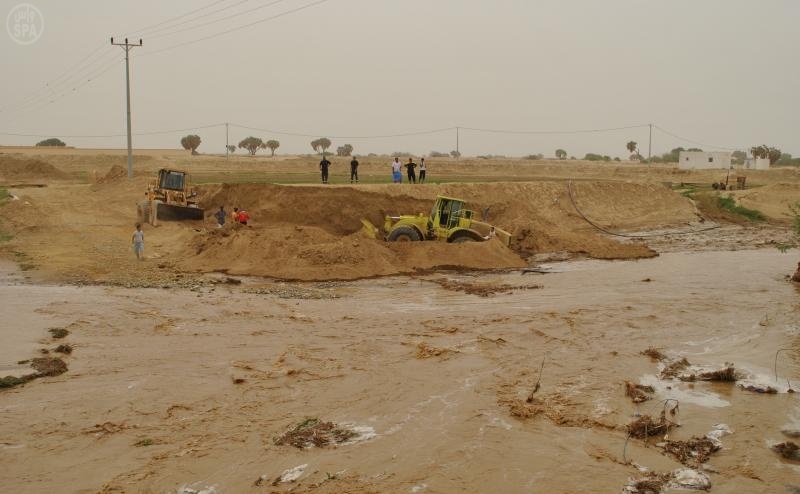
313,232
82,231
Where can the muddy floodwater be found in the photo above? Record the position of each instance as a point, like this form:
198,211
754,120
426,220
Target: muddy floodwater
173,390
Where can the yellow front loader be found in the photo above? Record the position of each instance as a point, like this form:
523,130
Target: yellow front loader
449,221
169,197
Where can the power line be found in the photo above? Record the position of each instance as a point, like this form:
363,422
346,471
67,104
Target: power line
214,21
144,30
72,75
543,132
155,132
692,141
227,31
386,136
187,21
80,69
36,106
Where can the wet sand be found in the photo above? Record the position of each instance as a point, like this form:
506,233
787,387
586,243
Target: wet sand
151,402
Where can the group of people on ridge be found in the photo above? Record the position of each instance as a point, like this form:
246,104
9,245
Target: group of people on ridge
397,175
325,164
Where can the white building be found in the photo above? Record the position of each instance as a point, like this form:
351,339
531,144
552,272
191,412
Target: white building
756,164
704,160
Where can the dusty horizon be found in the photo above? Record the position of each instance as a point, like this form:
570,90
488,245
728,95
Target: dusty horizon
407,67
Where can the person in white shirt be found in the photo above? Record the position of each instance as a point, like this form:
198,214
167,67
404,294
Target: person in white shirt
422,170
397,175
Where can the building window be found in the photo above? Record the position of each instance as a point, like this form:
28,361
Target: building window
710,159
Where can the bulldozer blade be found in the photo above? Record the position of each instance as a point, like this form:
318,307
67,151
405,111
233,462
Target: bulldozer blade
369,229
172,212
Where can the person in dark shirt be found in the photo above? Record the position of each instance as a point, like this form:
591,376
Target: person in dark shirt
323,168
412,177
354,170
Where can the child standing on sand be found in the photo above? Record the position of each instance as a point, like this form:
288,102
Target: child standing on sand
138,242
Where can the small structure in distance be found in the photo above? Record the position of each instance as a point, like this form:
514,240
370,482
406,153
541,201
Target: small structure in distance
704,160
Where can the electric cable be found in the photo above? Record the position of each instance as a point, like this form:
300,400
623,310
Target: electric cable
628,235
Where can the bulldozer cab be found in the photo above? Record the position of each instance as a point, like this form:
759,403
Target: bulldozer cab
171,180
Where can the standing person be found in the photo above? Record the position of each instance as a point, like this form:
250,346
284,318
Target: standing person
323,168
243,217
412,177
220,216
354,170
235,216
422,170
138,242
397,177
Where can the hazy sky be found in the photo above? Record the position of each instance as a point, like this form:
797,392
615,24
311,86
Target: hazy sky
721,72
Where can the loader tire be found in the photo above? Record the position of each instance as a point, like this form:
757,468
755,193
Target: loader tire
143,212
404,234
464,236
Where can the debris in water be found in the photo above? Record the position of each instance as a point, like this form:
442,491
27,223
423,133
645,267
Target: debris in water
655,483
718,432
426,351
482,290
44,366
674,368
58,332
497,341
66,349
686,478
654,353
693,452
11,381
728,374
291,474
538,383
48,366
788,450
644,426
652,483
758,388
638,392
314,432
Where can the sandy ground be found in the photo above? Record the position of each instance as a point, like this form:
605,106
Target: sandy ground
186,367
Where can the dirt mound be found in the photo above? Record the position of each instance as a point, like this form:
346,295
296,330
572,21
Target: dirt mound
772,200
310,253
312,232
27,169
114,174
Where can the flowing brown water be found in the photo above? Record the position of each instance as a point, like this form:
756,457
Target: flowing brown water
157,368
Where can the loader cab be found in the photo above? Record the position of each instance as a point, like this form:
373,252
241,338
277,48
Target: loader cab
448,213
171,180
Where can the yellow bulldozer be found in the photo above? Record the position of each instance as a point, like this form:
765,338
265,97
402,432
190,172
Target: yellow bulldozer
169,198
448,221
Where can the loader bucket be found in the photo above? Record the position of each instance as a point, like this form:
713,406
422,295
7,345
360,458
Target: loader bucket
172,212
369,229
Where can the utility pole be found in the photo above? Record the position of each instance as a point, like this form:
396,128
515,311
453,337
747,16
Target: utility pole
127,47
650,143
226,140
457,151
